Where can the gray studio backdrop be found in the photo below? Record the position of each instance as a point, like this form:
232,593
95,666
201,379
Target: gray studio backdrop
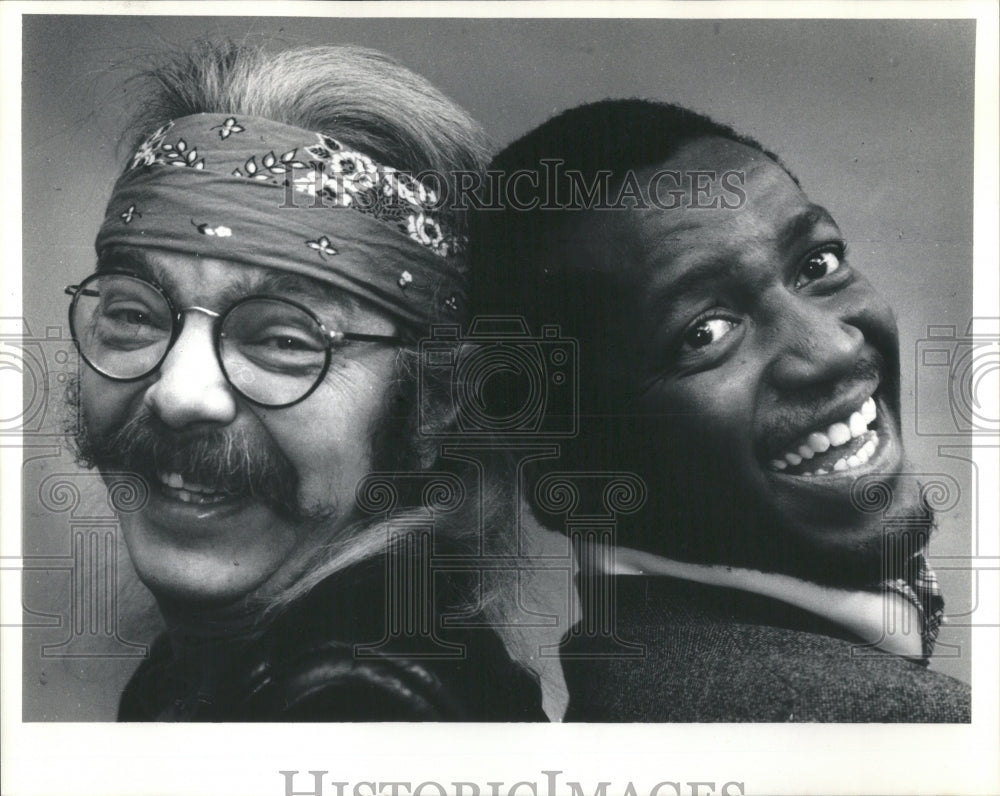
875,117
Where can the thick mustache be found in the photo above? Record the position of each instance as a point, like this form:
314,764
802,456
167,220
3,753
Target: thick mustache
228,460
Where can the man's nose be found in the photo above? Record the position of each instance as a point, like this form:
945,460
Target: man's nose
815,346
190,387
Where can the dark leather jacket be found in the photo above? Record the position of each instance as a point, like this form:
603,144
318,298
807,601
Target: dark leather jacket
330,657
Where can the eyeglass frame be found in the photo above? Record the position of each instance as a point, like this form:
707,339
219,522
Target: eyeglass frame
330,337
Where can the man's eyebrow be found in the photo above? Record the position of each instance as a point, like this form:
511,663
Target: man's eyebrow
673,291
311,292
290,284
136,262
802,224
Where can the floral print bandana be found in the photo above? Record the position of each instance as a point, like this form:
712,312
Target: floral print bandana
255,191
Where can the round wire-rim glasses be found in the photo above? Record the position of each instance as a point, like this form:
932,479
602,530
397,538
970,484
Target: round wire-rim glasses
309,343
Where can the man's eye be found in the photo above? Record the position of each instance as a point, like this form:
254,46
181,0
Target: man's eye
128,316
134,317
817,266
285,342
708,331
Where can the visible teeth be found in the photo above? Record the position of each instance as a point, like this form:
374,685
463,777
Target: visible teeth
176,481
868,410
818,442
839,434
185,497
822,471
856,425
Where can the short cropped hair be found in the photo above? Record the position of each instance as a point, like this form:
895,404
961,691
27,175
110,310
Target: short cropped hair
510,274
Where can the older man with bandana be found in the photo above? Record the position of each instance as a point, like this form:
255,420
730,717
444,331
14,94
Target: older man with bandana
265,267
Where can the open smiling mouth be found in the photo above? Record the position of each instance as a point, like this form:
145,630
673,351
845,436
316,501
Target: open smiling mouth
173,485
841,447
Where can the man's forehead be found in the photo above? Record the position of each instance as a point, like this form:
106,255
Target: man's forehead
751,201
182,274
649,248
715,152
777,225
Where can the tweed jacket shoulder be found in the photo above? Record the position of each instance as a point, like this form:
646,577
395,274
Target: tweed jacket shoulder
714,654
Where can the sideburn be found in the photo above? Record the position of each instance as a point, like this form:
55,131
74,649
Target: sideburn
395,431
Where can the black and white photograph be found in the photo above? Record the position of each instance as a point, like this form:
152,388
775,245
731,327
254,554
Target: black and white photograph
500,398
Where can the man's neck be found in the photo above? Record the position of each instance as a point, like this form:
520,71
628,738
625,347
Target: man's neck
211,623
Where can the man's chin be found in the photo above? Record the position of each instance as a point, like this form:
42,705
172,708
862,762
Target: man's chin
857,531
834,539
180,599
205,553
844,526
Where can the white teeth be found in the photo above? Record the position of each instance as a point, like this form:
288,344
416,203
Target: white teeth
188,490
868,410
839,434
836,435
818,442
858,459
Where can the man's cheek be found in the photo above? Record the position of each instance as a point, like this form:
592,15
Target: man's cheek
709,420
328,481
103,403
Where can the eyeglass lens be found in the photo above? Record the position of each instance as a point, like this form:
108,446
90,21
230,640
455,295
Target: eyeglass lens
122,325
272,351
